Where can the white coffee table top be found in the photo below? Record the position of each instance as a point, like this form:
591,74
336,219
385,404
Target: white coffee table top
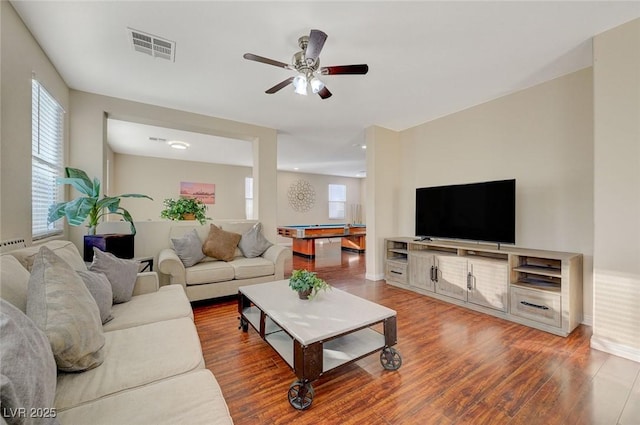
330,313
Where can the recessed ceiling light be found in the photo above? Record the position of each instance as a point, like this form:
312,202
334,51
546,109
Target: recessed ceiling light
178,145
295,168
364,146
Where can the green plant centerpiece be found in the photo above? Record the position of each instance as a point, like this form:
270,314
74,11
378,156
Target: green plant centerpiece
307,283
91,206
184,209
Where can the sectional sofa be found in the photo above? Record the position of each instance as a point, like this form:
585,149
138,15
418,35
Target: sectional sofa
152,369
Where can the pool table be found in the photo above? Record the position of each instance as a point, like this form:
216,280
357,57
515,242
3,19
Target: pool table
304,237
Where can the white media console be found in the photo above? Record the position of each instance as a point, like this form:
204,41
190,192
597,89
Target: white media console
540,289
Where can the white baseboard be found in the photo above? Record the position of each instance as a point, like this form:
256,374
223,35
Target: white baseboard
372,276
587,320
615,349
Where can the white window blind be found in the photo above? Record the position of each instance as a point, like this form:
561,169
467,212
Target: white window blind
248,198
47,122
337,201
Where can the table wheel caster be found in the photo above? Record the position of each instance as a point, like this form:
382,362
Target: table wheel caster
244,325
390,359
300,395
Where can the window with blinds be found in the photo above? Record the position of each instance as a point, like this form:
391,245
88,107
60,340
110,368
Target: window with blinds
337,201
248,198
47,122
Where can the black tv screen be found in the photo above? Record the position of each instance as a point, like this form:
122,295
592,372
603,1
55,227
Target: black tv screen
477,211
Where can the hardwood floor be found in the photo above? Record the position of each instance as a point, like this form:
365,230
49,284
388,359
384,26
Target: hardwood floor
459,367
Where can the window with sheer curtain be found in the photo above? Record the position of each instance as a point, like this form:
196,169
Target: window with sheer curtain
337,201
47,124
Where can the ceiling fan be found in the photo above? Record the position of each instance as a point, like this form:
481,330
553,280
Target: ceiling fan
307,63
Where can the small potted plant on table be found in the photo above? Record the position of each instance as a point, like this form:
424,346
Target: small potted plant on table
307,283
184,209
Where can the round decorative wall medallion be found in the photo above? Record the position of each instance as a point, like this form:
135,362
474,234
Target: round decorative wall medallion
301,195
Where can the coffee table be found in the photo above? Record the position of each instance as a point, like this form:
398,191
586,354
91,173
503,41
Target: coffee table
316,336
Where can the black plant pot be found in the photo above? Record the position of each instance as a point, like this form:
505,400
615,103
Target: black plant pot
119,245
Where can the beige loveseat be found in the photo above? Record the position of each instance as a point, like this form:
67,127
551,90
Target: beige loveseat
211,278
153,369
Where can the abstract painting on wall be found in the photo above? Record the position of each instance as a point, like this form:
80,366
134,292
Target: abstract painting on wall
206,192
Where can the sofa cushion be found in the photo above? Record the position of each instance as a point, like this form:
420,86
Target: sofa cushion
209,272
63,249
169,302
121,273
134,357
28,369
246,268
194,398
221,244
253,243
54,291
14,279
100,289
188,248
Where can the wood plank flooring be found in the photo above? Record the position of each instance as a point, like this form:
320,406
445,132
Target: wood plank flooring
459,367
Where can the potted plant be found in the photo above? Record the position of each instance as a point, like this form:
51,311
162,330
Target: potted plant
307,283
90,207
184,209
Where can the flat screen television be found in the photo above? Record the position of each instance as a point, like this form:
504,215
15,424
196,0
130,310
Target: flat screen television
476,211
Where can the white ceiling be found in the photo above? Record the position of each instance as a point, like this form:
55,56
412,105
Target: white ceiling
426,60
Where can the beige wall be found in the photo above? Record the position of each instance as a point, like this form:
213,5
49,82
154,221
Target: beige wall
616,326
542,137
20,57
319,214
89,151
160,179
383,189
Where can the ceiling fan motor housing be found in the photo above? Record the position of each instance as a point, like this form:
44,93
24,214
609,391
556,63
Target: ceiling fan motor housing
304,65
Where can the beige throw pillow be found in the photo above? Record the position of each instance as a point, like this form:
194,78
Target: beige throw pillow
60,304
221,244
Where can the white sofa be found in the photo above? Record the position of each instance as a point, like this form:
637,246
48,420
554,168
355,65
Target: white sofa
213,278
153,370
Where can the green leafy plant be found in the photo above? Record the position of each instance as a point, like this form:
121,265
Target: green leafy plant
176,209
304,280
91,206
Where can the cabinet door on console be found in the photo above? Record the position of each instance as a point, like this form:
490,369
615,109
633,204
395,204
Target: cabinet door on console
420,270
488,283
452,276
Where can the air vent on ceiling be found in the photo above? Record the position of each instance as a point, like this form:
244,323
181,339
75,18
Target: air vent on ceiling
152,45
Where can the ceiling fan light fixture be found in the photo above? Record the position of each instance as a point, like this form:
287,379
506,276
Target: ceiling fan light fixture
300,84
316,85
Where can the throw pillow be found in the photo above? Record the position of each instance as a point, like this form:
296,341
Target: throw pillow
28,370
121,273
189,248
60,304
100,289
253,243
221,244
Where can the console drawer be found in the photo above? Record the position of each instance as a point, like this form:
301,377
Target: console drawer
541,306
396,271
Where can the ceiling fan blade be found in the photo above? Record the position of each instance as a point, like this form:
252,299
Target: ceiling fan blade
280,86
252,57
325,93
316,41
345,69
